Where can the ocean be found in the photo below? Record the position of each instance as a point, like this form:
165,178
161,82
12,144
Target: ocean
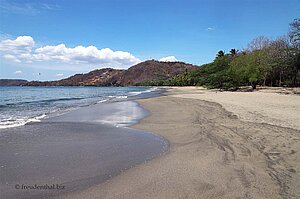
20,105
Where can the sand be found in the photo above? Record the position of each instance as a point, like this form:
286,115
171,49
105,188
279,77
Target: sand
272,106
216,151
72,152
121,114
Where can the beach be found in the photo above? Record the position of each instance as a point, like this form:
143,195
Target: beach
218,148
117,99
73,151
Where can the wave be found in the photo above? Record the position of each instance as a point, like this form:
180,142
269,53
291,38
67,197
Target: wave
42,101
16,113
133,93
9,123
121,97
101,101
118,97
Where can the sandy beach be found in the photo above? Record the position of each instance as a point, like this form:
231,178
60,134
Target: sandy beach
276,106
222,145
73,151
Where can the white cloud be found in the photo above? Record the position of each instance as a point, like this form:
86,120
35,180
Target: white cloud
81,54
11,58
26,8
209,29
22,45
59,75
22,50
168,59
18,72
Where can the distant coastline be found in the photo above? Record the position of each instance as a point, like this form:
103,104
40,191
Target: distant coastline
133,76
13,82
264,62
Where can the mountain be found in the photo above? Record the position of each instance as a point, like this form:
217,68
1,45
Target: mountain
13,82
153,70
99,77
142,72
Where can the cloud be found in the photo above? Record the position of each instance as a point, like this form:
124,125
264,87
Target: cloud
11,58
49,6
209,29
81,54
21,45
18,72
26,8
22,50
59,75
168,59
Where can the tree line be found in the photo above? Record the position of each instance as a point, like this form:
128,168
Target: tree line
263,62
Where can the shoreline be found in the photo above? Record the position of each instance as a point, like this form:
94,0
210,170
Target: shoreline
76,150
53,111
212,154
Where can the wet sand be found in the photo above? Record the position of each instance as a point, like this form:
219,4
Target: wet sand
74,151
213,153
122,113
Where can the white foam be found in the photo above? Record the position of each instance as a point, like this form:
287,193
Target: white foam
133,93
121,97
20,121
101,101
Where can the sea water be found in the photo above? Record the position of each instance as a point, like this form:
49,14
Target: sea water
20,105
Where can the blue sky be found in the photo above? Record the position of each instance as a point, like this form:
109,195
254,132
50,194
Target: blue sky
46,40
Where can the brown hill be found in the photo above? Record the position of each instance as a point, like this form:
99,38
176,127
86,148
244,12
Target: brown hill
99,77
145,71
153,70
12,82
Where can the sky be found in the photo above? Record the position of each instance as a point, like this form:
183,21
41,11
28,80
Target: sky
48,40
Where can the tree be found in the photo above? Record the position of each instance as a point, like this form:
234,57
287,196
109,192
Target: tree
250,68
258,43
233,52
215,74
280,53
294,33
221,53
296,68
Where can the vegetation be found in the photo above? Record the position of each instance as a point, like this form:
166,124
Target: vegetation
264,62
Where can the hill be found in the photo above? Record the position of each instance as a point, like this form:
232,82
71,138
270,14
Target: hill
153,70
135,75
13,82
99,77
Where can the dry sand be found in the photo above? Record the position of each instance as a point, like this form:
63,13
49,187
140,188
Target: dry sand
213,153
272,106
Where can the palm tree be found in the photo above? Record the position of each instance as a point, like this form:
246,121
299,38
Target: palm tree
233,52
221,53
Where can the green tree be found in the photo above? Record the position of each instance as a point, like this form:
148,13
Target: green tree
233,52
221,53
250,68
